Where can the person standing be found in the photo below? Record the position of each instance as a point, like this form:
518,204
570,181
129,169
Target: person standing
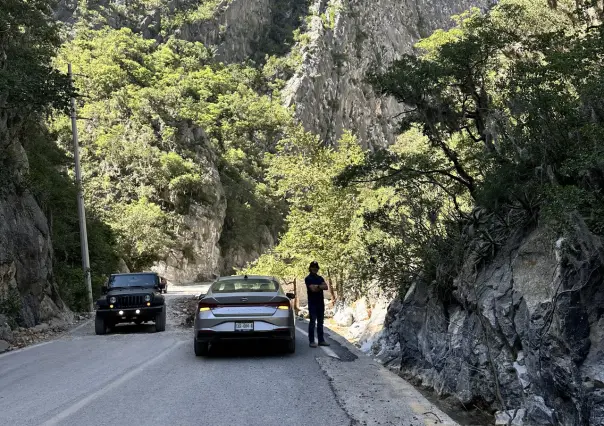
315,285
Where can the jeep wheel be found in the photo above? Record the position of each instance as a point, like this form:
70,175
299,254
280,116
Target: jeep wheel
99,325
291,346
201,348
160,320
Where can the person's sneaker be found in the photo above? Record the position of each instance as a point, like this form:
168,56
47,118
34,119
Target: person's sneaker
324,344
313,345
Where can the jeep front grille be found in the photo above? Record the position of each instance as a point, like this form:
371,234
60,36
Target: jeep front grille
130,301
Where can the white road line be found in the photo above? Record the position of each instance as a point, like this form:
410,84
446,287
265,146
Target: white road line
26,348
85,323
327,350
95,395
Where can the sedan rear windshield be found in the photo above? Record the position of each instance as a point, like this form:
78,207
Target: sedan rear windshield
133,280
244,286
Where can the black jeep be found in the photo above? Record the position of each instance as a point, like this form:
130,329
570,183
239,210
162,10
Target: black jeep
132,297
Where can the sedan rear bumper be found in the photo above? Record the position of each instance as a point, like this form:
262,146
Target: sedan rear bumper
212,336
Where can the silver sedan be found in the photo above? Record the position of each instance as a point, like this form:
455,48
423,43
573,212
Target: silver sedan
244,307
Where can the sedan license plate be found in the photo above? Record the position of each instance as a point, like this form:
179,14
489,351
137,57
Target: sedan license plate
244,326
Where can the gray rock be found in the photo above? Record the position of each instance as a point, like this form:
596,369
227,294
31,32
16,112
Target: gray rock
510,417
26,275
58,324
4,346
538,413
361,310
548,362
344,317
41,327
6,333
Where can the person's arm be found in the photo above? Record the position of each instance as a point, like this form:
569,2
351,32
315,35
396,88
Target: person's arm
323,286
310,287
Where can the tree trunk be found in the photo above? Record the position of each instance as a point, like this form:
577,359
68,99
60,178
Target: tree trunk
296,299
331,290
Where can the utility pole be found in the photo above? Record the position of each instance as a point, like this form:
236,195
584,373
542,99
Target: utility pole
81,210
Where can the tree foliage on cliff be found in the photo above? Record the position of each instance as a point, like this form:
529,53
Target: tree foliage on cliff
30,86
29,39
325,222
161,124
510,110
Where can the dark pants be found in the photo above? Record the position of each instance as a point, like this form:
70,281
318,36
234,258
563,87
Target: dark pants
317,313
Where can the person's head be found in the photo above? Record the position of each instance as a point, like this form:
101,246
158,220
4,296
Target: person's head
314,268
163,280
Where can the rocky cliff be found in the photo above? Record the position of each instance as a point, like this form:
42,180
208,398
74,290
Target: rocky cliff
28,293
523,335
347,40
341,41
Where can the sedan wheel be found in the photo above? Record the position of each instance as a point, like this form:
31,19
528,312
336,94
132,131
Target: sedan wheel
201,348
291,346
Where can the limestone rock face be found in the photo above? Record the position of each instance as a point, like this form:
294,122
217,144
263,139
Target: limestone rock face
28,293
329,91
347,40
529,326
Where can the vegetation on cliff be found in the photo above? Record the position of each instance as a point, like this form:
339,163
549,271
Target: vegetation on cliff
502,132
30,88
512,127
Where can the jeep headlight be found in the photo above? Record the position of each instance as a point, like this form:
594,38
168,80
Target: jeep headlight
147,298
112,299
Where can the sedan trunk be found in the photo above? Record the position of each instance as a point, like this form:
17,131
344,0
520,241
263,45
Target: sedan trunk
245,304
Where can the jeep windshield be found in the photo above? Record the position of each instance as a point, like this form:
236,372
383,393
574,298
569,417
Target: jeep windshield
132,280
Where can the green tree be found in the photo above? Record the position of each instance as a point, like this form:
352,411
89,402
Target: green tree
29,38
324,221
164,124
511,128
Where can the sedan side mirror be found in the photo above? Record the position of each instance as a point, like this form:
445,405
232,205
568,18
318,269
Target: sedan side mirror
291,296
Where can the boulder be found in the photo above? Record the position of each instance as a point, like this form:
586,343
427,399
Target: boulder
344,317
361,310
6,333
510,417
4,346
40,328
538,413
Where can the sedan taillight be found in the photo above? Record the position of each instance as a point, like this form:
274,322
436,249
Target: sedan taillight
205,306
280,305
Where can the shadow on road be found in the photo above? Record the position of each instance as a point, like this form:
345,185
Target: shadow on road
246,349
133,329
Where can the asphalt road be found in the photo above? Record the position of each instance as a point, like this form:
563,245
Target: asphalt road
138,377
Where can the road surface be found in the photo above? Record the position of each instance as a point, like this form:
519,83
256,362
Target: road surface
135,376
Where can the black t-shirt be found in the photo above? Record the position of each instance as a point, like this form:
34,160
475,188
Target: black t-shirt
314,297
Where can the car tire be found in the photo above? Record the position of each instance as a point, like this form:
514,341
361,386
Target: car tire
201,348
100,327
160,320
291,346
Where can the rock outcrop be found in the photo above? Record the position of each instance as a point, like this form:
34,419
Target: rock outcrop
28,293
347,40
523,335
343,41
